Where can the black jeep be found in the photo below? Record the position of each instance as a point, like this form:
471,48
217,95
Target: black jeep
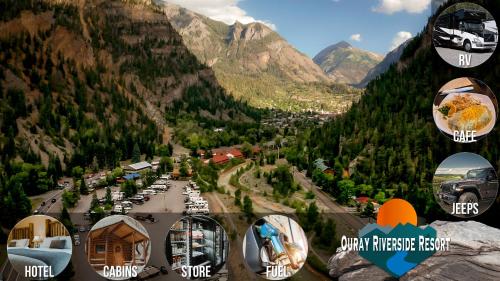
477,185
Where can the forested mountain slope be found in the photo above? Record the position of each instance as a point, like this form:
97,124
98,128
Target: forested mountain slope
389,140
83,82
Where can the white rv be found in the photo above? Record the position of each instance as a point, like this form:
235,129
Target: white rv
127,205
117,195
160,187
149,191
192,210
118,209
194,193
466,29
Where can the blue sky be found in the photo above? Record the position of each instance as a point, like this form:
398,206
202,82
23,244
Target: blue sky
462,162
311,25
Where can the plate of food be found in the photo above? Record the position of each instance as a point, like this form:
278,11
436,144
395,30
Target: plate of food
465,112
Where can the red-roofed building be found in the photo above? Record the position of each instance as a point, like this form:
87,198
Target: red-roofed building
234,153
220,159
363,199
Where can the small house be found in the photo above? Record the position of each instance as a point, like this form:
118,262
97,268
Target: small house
117,241
320,164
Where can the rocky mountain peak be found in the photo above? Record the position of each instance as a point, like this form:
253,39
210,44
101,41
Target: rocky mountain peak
247,32
342,44
346,64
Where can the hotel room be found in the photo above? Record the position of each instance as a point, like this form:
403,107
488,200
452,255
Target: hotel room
39,241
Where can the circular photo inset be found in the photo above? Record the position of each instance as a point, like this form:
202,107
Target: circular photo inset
465,35
197,248
275,247
39,247
465,185
118,247
465,110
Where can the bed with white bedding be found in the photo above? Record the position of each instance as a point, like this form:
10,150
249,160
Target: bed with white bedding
57,256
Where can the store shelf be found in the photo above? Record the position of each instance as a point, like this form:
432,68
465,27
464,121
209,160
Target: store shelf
197,254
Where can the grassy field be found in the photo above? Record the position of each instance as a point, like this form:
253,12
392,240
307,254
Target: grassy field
35,202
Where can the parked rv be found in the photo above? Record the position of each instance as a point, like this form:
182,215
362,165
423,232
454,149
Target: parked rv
118,209
466,29
192,210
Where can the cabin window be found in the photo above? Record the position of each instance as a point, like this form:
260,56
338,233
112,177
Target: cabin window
100,249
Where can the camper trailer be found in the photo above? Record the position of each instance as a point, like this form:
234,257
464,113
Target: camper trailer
466,29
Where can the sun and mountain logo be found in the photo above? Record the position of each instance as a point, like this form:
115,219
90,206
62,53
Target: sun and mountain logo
395,243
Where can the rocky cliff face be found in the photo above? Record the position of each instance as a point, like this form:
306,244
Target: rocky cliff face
239,45
474,255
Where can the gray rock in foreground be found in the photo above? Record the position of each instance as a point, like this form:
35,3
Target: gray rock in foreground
474,255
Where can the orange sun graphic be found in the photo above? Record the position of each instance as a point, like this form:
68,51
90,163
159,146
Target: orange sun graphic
396,211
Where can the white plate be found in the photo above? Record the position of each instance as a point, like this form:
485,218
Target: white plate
442,122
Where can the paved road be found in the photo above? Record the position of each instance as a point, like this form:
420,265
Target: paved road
452,56
352,221
47,198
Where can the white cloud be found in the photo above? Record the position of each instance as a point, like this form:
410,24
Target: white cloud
409,6
226,11
399,39
356,37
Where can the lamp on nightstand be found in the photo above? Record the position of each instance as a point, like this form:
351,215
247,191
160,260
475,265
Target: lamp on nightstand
36,241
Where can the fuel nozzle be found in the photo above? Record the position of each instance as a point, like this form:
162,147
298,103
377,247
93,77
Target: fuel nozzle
267,231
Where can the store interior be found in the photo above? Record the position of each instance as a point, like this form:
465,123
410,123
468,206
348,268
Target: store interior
197,241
